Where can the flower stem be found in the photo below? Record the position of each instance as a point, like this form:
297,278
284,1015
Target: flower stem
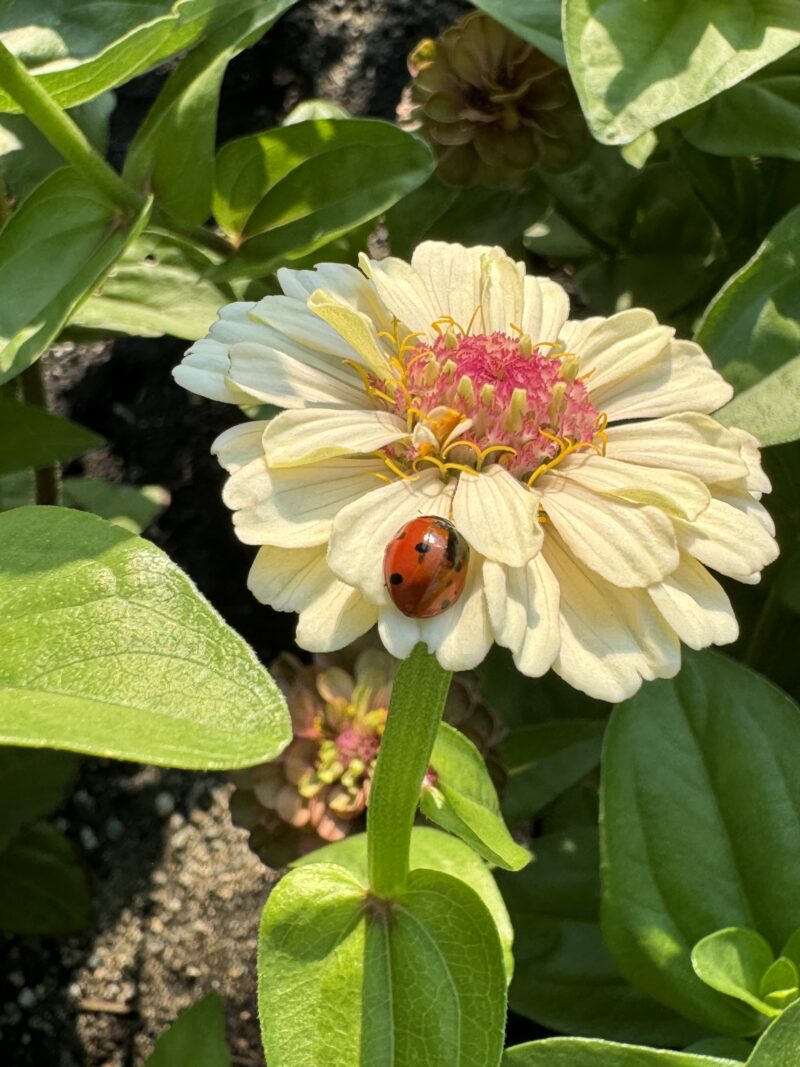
418,697
47,481
63,133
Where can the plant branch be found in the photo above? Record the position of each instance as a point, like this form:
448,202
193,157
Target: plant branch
418,697
47,482
63,133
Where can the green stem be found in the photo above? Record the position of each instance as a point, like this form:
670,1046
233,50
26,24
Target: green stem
32,382
418,697
62,132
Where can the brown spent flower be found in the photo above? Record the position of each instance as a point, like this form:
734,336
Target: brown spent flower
316,791
491,105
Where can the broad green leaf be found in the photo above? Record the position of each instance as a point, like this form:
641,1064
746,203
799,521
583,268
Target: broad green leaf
158,286
583,1052
17,490
538,22
732,1048
195,1039
734,961
751,331
545,760
779,1044
109,649
27,157
131,507
564,978
53,251
32,783
780,985
293,189
636,65
76,57
459,796
172,154
434,851
43,889
315,109
723,740
757,117
345,978
792,949
32,437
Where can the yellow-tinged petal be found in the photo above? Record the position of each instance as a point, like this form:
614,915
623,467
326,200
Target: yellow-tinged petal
314,434
289,579
523,605
357,329
501,294
452,275
498,516
695,605
240,445
690,442
728,541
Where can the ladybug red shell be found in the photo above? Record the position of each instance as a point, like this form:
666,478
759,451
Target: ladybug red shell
425,567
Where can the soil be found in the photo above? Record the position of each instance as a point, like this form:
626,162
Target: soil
177,892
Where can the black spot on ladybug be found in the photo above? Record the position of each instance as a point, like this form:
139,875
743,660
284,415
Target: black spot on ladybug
445,605
422,547
459,566
451,551
396,579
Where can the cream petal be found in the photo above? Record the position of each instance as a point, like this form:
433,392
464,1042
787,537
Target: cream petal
204,371
291,324
613,349
296,380
461,636
546,309
240,445
398,632
363,529
728,541
295,506
335,619
235,324
673,491
757,481
611,639
289,579
452,275
746,502
501,295
404,293
628,544
314,434
498,515
356,328
575,332
695,605
689,442
345,283
682,380
523,608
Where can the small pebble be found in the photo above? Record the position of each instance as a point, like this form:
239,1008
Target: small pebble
88,838
26,999
164,804
17,978
115,829
75,992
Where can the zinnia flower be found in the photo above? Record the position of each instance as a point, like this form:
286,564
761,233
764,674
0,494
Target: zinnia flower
576,458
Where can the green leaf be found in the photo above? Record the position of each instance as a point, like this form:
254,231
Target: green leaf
787,580
545,760
32,783
780,985
778,1045
580,1052
76,58
32,437
109,649
734,961
17,490
133,508
195,1039
158,286
315,109
751,331
461,798
434,851
27,157
293,189
734,1048
172,154
564,978
53,251
759,116
43,889
636,65
345,978
539,22
723,740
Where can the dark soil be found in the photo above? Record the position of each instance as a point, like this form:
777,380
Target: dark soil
177,892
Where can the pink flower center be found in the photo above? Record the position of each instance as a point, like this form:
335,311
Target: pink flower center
353,744
490,398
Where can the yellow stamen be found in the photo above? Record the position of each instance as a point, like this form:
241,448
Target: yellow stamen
518,404
465,389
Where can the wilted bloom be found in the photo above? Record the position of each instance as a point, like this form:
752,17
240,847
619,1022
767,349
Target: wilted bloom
576,458
491,105
317,789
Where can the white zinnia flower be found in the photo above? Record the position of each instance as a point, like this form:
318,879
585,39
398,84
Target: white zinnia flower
577,458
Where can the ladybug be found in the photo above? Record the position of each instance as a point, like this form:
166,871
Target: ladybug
425,567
